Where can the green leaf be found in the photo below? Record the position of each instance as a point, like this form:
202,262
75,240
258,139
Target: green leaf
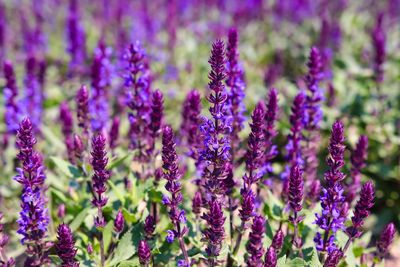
107,234
281,261
296,262
117,162
76,223
125,249
65,167
116,191
132,263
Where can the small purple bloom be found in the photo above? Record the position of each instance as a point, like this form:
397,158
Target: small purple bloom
270,258
255,244
149,226
385,240
65,246
119,222
333,258
144,253
271,115
114,133
170,236
277,241
82,107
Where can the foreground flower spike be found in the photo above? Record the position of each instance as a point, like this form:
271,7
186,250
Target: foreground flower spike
156,117
137,82
65,246
334,258
254,246
12,110
34,217
358,158
119,222
144,253
191,120
172,175
378,36
4,238
362,209
114,133
270,132
99,162
385,241
67,124
215,154
214,233
270,258
334,210
236,86
293,146
82,109
295,201
313,115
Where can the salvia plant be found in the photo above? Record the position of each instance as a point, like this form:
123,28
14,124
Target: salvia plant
199,133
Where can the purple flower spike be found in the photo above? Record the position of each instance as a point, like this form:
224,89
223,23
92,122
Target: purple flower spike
236,86
255,245
137,82
101,175
114,133
255,151
215,154
144,253
293,146
362,209
214,233
358,158
34,217
277,241
385,240
296,189
334,258
334,207
172,175
157,110
270,132
149,226
65,246
82,107
119,222
270,258
379,42
247,210
12,110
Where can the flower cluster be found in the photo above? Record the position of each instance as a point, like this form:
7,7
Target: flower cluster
34,218
334,208
215,153
65,246
101,175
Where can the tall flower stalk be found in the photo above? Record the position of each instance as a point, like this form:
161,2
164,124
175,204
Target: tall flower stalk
254,163
295,202
254,246
334,208
12,109
271,115
293,146
65,246
173,175
99,179
34,217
